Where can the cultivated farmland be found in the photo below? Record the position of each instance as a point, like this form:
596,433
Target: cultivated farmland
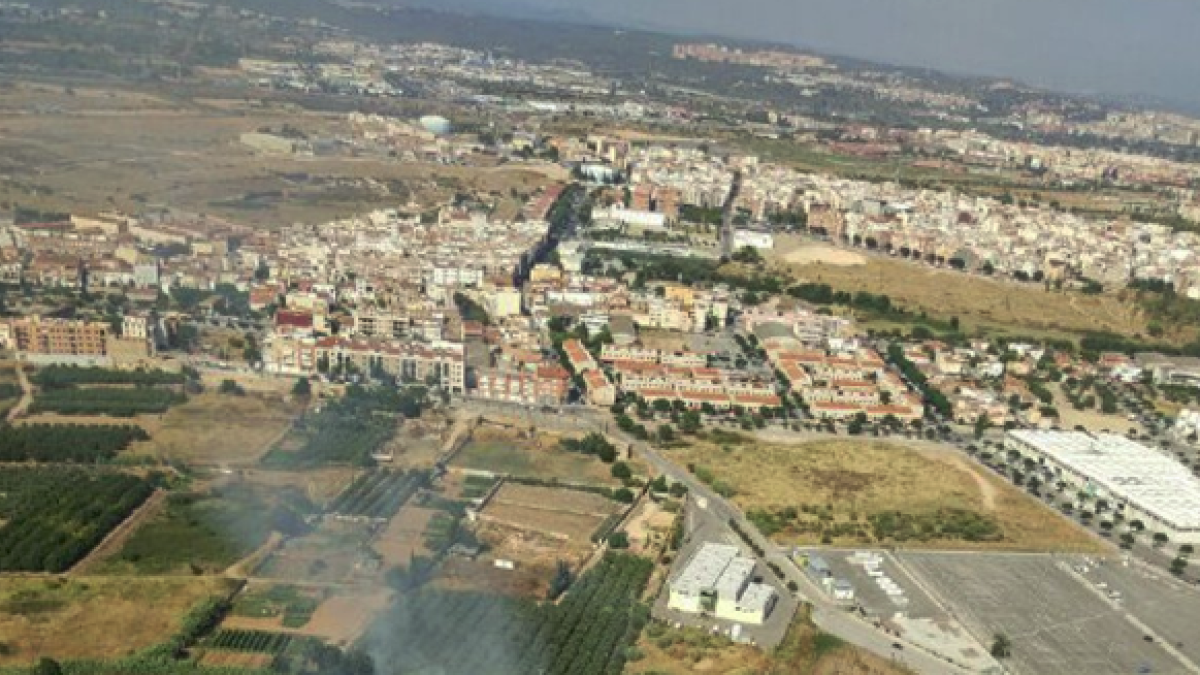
512,451
377,495
83,444
459,632
53,516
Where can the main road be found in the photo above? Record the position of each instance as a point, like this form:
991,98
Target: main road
826,614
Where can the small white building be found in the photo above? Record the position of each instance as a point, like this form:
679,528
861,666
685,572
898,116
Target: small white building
760,239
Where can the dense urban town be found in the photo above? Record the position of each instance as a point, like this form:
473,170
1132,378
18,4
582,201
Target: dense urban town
623,375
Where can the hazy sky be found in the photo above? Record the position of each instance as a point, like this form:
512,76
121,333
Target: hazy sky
1105,46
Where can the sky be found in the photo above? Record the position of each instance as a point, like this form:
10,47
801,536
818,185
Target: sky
1120,47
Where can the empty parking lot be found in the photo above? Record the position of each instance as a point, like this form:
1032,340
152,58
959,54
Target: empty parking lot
1057,624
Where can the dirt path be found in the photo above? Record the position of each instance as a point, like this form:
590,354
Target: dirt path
26,395
986,490
116,539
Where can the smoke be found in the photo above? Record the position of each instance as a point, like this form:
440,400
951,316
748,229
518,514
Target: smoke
437,632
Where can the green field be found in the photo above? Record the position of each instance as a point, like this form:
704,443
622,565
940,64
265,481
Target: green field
295,606
201,533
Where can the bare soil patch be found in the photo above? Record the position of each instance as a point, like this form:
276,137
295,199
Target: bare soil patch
212,428
403,538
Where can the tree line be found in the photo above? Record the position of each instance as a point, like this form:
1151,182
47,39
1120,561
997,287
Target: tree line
80,444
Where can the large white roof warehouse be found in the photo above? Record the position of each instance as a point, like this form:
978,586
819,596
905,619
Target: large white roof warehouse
1145,479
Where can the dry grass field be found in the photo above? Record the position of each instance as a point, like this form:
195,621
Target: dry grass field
508,450
805,651
860,478
124,150
90,617
567,515
975,300
403,537
213,428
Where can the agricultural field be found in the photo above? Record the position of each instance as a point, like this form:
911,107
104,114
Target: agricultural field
292,606
377,494
346,431
81,444
237,640
52,516
977,301
511,451
65,377
113,401
206,532
403,538
212,428
862,492
566,515
334,552
418,444
94,618
464,632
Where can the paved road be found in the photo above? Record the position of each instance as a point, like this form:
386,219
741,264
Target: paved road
826,614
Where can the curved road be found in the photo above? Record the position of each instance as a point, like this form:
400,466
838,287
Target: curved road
827,615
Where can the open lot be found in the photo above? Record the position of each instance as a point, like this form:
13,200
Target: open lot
513,451
109,153
334,552
213,428
836,488
977,301
403,537
418,443
91,617
1056,624
567,515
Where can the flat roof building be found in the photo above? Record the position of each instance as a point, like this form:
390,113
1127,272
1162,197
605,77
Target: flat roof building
717,581
1141,482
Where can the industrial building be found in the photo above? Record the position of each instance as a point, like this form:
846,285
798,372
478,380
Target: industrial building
718,581
1139,482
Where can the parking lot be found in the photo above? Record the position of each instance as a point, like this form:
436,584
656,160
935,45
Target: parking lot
1056,623
1171,609
875,602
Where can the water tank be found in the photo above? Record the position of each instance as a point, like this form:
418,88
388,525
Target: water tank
435,124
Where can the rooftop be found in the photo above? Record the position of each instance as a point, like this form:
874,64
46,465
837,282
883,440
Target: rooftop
1146,478
704,569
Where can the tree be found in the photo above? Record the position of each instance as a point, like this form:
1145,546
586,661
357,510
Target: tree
1160,538
666,434
621,471
1178,565
1001,646
302,388
1187,549
618,540
47,666
689,423
623,495
230,387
